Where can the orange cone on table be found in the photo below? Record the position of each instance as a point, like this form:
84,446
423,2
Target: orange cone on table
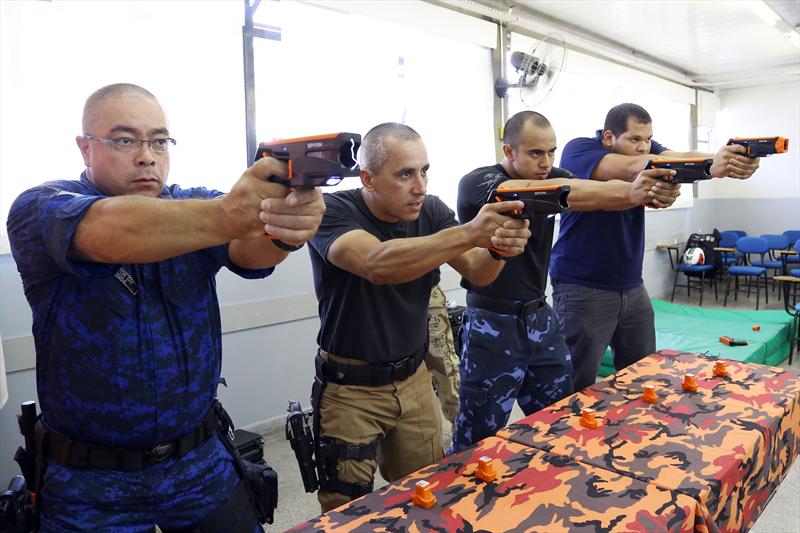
423,497
650,395
689,383
485,471
588,419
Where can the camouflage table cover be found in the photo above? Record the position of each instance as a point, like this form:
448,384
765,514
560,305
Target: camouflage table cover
729,445
534,491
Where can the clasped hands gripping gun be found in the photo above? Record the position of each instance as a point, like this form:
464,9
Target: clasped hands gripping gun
540,202
692,170
314,161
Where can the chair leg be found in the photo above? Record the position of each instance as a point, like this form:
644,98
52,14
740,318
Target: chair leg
766,289
758,292
716,296
674,284
727,289
702,286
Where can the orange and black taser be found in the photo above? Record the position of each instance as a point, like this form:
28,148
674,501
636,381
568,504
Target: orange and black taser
314,161
762,146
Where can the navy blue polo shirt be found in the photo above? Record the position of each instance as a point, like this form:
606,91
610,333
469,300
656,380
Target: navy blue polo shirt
126,354
598,249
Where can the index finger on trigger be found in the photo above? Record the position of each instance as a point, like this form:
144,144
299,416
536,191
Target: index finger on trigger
269,166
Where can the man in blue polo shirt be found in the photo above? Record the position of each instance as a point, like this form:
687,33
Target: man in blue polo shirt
119,272
596,264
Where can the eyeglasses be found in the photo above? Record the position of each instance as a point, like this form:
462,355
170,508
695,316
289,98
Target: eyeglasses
129,144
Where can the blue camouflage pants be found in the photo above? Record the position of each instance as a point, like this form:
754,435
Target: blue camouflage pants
506,358
174,494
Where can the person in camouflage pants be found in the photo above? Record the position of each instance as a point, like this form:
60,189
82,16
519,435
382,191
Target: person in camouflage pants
513,343
442,359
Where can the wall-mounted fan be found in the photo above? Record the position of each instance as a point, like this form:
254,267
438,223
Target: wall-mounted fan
537,70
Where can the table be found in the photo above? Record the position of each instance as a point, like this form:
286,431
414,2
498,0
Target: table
703,461
535,491
728,445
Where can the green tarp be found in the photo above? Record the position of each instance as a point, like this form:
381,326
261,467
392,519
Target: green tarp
695,329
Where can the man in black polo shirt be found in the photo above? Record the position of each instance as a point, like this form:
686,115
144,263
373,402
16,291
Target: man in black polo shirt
513,347
373,260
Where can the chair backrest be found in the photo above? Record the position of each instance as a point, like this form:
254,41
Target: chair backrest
752,245
792,234
739,232
776,242
797,245
728,239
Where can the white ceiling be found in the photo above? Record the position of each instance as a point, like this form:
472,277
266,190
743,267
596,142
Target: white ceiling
712,43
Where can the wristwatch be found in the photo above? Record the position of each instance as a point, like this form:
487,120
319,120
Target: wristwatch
286,247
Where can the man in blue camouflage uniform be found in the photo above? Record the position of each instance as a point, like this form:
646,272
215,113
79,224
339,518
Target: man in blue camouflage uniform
119,271
513,347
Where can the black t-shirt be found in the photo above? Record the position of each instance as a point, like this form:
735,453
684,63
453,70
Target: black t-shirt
360,320
524,277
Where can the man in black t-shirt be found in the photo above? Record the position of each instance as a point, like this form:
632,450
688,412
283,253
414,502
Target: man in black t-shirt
373,260
513,347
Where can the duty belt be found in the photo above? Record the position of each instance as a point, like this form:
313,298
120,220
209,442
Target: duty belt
372,375
503,305
75,454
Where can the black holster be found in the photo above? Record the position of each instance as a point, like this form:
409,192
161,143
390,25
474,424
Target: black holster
260,480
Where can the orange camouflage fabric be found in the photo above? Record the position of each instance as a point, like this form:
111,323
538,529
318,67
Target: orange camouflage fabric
534,491
728,445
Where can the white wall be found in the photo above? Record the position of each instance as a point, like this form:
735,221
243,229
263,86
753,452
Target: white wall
769,202
760,112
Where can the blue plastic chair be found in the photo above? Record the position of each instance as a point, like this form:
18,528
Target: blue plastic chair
793,235
728,240
692,272
793,308
774,261
749,246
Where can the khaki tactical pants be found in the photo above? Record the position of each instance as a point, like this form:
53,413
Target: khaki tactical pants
441,359
403,415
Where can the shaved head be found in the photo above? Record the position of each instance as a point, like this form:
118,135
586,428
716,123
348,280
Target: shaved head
512,132
373,153
93,103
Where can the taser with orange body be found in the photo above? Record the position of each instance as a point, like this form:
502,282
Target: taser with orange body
314,161
762,146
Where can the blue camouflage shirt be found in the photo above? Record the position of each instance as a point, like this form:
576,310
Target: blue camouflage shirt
126,354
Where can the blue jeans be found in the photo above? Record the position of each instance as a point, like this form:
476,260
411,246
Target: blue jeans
593,319
174,494
506,358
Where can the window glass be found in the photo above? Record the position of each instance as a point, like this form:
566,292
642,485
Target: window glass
333,71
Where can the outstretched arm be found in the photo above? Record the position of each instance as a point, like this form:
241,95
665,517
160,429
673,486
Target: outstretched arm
401,260
134,229
613,195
